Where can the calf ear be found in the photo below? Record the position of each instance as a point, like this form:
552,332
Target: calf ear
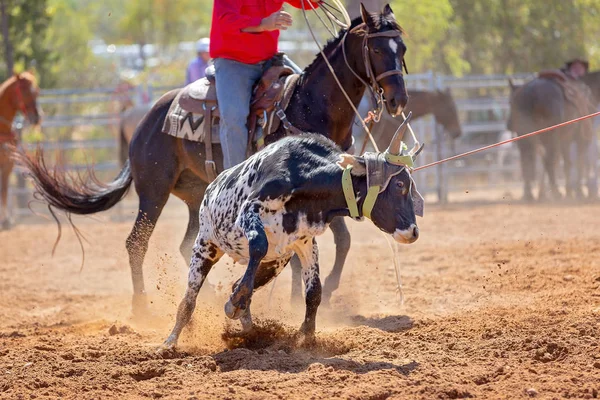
358,165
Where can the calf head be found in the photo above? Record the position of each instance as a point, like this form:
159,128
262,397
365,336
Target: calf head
392,201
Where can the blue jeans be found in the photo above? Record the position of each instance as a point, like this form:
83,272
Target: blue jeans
234,91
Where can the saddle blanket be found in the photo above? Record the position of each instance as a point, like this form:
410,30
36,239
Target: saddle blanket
184,124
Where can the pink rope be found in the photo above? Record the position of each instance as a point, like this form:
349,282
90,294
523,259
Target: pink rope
491,146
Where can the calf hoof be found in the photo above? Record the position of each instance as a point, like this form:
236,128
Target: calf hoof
167,348
232,311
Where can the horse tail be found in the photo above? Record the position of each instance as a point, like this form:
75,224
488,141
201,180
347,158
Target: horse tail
73,193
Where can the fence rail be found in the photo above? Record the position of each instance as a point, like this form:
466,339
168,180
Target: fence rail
83,125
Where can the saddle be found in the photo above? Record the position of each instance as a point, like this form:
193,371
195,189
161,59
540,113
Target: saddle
200,97
576,92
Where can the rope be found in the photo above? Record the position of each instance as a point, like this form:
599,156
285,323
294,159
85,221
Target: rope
335,76
468,153
412,133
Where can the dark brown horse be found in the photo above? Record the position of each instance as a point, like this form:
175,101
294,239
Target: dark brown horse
541,103
160,164
17,94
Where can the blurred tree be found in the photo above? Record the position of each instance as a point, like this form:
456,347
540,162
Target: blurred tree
27,26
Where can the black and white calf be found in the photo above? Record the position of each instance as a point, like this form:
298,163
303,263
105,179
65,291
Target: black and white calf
273,205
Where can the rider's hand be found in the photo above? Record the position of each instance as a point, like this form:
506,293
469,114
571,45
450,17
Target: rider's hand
277,20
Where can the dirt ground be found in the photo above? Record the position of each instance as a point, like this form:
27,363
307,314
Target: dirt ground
501,301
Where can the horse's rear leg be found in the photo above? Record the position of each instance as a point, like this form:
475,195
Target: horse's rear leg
137,245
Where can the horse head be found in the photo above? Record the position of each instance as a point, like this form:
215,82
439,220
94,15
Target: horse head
25,94
376,54
445,113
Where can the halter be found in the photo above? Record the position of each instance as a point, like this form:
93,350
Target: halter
374,86
404,161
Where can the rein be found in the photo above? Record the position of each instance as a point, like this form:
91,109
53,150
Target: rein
374,87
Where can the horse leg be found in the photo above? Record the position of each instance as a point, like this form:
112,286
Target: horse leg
549,160
341,237
528,160
296,279
5,171
137,246
567,164
205,256
583,143
592,160
192,229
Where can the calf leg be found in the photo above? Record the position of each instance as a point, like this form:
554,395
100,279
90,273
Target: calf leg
266,273
258,245
309,256
205,255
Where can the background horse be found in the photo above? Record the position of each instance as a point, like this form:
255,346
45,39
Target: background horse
17,94
440,103
160,164
541,103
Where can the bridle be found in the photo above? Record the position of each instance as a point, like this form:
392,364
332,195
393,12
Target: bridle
373,84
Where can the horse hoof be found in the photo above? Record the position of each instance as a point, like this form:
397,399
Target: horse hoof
6,224
232,311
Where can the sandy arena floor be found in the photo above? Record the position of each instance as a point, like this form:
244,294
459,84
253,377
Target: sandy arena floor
502,301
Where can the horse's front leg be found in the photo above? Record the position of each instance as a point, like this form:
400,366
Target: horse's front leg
258,246
341,237
5,170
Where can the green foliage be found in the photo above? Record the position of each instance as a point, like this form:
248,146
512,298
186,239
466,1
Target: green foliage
446,36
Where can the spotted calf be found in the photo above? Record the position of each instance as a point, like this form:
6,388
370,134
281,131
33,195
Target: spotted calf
273,205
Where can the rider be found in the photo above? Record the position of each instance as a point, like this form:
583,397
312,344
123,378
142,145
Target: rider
244,35
197,66
576,68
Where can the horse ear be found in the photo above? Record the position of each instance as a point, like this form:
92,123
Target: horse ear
366,16
387,11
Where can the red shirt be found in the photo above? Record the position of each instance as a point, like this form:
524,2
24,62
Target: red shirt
231,16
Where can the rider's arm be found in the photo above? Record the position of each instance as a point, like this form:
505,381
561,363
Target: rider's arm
298,4
230,19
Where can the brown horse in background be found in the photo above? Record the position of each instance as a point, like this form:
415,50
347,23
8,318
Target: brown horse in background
17,94
440,103
538,104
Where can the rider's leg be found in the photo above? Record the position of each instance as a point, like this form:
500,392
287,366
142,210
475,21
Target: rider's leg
234,91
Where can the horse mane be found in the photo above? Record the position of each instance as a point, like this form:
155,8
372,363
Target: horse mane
382,23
